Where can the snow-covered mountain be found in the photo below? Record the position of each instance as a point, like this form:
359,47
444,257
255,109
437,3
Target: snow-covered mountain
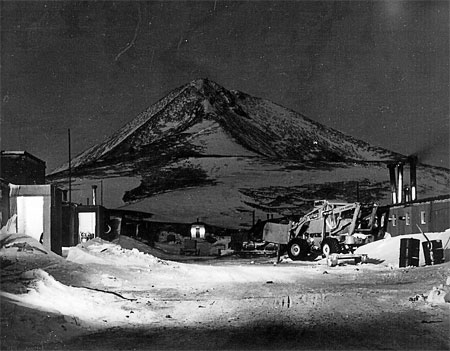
205,151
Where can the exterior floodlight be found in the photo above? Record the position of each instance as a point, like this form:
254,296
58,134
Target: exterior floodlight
198,231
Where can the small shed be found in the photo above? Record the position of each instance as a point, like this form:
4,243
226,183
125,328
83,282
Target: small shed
39,212
91,222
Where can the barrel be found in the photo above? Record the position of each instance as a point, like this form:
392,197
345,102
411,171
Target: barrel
433,252
409,252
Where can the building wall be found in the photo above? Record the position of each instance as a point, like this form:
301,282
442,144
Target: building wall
4,203
21,168
429,216
440,215
55,220
69,225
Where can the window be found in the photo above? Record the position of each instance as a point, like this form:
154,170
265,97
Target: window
394,220
407,219
423,217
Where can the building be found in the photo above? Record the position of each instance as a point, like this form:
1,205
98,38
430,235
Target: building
20,167
426,215
39,211
407,214
81,223
33,207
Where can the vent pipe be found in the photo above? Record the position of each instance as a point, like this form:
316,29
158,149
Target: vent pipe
393,182
413,177
94,194
70,166
400,183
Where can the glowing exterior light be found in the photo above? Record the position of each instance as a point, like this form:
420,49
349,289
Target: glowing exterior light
198,231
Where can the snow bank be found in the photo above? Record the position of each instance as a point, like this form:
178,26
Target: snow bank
388,250
21,245
84,306
172,274
8,240
103,252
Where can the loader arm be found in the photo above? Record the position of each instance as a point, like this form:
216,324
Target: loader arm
354,219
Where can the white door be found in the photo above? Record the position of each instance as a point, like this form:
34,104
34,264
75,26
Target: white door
86,226
30,216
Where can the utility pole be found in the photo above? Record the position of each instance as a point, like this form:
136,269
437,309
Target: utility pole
70,168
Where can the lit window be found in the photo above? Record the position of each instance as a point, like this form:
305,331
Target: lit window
407,219
422,217
394,220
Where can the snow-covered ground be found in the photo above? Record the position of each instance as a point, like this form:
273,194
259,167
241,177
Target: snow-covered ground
388,250
51,301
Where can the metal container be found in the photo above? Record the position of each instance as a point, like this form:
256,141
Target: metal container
409,252
433,252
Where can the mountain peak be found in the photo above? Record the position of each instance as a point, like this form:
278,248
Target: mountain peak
200,82
205,151
257,125
206,87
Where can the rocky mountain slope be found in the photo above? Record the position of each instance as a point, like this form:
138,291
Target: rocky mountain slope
205,151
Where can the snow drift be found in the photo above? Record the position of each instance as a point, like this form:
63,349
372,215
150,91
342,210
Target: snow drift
388,250
85,306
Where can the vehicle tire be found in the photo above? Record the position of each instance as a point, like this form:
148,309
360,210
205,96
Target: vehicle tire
297,249
330,246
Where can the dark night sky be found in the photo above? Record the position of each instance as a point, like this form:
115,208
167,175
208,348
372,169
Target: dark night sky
377,70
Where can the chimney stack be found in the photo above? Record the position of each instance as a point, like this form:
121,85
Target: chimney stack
400,183
94,194
413,176
393,182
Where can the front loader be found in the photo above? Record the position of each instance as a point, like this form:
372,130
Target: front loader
331,227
